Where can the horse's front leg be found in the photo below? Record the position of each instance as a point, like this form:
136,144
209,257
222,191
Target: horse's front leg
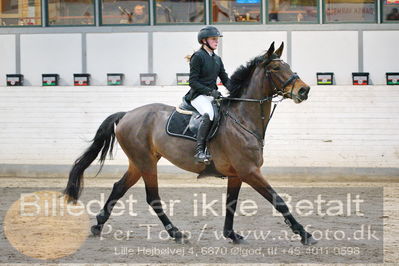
259,183
153,199
233,188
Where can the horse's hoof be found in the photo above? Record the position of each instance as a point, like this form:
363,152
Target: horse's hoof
179,237
308,241
240,241
96,230
182,240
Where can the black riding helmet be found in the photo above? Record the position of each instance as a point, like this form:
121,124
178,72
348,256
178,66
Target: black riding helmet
208,31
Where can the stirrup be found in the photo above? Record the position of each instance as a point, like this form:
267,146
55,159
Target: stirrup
202,157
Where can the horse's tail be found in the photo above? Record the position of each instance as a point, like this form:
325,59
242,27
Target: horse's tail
103,142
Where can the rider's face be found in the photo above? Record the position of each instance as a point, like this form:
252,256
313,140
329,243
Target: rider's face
213,42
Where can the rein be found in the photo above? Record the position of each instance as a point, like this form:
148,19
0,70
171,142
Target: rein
260,139
278,91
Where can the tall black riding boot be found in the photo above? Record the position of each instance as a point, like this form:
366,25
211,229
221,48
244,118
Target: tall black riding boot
203,130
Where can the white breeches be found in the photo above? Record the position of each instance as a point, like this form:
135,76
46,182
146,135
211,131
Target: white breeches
203,104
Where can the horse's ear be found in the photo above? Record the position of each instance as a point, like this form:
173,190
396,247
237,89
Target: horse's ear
270,51
279,51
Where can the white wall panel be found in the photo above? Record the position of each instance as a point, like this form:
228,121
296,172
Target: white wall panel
325,51
170,48
380,56
117,53
240,47
339,126
50,53
7,57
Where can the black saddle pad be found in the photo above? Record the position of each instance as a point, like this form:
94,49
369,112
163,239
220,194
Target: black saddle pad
178,126
186,125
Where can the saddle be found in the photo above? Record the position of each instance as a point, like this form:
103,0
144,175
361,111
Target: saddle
185,120
184,123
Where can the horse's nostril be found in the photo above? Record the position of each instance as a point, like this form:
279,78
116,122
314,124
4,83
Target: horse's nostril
303,92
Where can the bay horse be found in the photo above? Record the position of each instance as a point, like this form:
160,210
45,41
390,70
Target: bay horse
237,148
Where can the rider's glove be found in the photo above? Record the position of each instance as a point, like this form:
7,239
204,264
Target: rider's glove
216,94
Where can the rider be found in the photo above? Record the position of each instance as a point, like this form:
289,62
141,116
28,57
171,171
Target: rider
205,68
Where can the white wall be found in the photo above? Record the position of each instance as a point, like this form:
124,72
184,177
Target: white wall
117,53
7,57
380,56
311,52
240,47
52,125
339,126
170,48
50,53
325,51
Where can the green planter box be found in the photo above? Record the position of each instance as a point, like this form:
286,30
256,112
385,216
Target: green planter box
392,78
50,79
115,79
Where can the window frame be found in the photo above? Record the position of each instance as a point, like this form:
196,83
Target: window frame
154,8
100,18
382,15
47,18
25,26
291,22
350,22
210,11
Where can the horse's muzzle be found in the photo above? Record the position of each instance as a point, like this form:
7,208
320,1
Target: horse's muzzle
303,93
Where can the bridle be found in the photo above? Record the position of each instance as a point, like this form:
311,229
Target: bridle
278,91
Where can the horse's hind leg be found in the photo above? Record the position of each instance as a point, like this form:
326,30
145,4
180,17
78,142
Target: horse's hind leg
153,199
128,180
259,183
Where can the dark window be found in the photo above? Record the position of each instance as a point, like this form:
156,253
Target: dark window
226,11
20,13
350,11
390,11
71,12
293,11
179,11
125,12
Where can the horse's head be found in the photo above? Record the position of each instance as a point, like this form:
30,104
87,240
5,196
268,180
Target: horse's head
284,81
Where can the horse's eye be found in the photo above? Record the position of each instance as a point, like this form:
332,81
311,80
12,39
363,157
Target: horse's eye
276,68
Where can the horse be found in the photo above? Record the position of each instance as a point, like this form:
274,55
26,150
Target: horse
237,148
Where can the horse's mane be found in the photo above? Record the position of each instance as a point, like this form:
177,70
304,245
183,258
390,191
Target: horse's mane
241,77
